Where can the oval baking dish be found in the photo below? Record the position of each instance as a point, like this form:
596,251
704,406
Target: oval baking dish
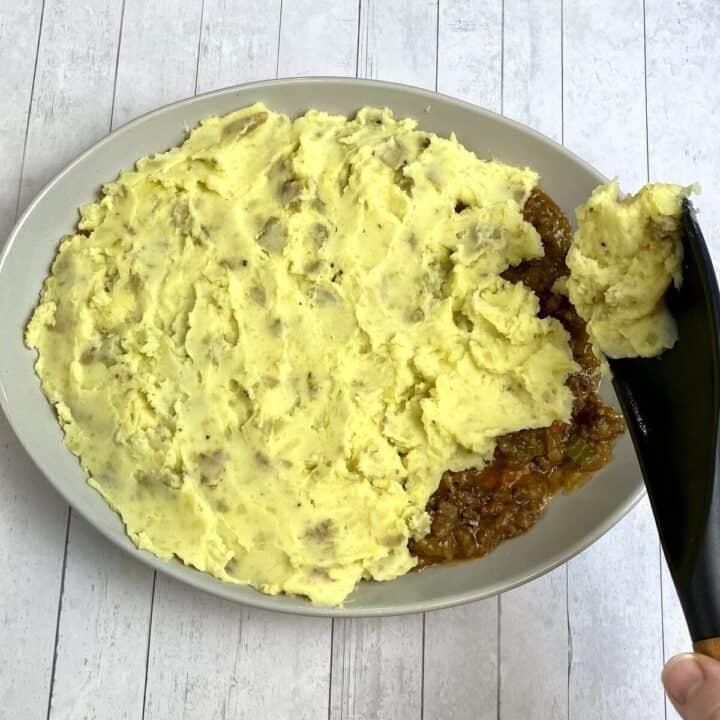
570,523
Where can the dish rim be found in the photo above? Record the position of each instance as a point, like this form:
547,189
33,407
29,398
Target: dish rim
175,568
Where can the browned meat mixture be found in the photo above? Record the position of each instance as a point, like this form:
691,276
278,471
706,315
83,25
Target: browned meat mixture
474,511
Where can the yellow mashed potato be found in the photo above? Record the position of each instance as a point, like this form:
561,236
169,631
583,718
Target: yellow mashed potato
623,258
266,345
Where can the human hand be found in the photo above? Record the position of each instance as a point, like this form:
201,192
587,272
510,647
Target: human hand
692,683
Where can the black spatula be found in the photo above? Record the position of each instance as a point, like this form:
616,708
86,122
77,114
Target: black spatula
672,404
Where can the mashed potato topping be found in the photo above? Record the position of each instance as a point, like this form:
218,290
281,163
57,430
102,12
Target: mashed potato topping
623,258
266,345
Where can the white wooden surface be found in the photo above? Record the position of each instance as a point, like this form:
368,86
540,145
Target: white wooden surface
87,633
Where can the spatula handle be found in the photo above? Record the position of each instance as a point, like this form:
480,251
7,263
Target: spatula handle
710,647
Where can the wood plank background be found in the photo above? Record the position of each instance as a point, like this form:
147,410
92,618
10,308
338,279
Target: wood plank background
87,633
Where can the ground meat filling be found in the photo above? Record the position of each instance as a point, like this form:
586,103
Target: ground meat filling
474,511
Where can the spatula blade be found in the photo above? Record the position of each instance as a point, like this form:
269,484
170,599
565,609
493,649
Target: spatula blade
671,404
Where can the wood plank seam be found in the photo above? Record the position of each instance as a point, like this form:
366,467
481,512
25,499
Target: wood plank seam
502,84
330,668
562,85
147,647
357,46
59,612
117,64
498,672
569,636
200,32
422,671
647,170
29,111
647,124
437,44
279,35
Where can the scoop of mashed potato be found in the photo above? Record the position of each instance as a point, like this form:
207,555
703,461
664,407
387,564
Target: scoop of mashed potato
623,258
266,345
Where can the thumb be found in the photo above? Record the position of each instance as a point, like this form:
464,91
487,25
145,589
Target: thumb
692,683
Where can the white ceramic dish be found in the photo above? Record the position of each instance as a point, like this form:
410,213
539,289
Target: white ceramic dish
571,523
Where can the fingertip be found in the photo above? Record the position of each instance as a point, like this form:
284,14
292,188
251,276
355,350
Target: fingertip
681,676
